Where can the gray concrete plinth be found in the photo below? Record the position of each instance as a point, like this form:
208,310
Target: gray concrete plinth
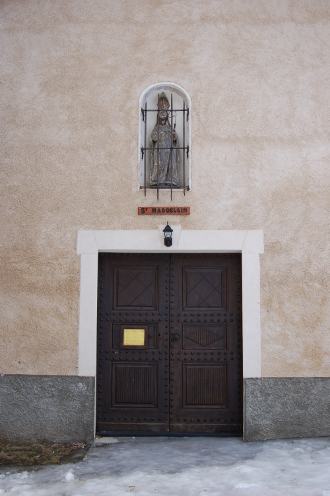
291,407
46,408
61,408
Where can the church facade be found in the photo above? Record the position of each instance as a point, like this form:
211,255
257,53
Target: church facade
165,219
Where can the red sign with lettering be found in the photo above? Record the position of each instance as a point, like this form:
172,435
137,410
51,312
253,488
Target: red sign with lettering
164,210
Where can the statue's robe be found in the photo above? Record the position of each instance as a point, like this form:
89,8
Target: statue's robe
164,164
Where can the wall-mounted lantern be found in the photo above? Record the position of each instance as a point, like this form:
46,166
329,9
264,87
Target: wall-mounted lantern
167,235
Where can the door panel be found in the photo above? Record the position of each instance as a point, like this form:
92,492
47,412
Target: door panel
136,288
169,344
134,385
205,327
203,287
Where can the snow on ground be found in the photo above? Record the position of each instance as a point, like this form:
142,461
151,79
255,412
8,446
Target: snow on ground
197,466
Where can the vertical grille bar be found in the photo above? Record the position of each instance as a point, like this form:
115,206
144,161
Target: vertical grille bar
145,149
171,150
184,146
158,147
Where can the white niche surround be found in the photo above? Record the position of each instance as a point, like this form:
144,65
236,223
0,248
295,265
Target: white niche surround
249,243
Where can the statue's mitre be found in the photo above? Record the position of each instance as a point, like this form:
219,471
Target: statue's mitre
163,102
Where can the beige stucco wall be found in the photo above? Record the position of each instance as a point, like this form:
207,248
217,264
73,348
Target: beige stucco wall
258,73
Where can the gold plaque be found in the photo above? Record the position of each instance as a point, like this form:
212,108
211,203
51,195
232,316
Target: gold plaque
134,337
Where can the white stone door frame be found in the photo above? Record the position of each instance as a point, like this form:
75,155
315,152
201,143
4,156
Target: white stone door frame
248,243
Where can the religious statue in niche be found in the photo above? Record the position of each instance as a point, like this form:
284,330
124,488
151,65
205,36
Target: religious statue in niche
165,155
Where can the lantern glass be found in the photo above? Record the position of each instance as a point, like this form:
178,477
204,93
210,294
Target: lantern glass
167,235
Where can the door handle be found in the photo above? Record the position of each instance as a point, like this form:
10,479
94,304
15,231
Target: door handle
175,337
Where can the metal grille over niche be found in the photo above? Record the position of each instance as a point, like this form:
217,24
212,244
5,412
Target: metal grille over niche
163,156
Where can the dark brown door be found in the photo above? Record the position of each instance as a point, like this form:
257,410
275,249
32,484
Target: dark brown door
169,344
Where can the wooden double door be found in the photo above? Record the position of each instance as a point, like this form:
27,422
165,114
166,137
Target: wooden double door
169,344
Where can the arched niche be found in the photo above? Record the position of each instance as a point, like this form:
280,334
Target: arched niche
179,118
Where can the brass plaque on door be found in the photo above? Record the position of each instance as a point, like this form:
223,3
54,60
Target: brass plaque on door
134,337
